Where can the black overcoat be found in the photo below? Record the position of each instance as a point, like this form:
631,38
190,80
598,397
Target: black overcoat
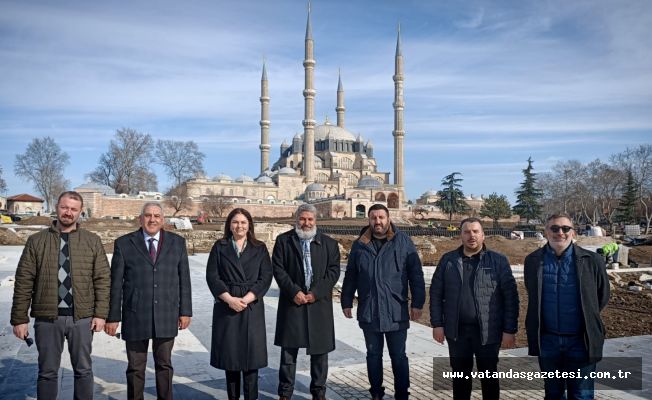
149,297
307,326
239,342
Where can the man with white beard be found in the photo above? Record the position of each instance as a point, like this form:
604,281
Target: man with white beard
306,267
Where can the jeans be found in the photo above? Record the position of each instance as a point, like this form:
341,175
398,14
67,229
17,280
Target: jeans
462,350
50,335
566,353
400,367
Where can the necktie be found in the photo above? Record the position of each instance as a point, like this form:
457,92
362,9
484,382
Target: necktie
152,250
307,267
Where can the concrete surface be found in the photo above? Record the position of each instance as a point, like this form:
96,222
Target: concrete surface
196,379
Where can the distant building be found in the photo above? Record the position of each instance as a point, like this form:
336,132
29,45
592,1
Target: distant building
25,204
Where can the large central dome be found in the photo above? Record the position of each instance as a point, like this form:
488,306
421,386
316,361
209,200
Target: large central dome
334,132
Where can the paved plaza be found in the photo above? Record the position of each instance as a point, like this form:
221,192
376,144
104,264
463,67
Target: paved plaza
196,379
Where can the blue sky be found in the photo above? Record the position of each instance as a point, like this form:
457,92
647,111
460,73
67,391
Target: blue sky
487,83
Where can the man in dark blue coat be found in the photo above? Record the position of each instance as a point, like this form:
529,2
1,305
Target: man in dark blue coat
567,287
382,265
150,294
474,305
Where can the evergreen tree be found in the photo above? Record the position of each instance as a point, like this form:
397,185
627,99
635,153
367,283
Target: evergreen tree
528,196
627,204
496,207
451,198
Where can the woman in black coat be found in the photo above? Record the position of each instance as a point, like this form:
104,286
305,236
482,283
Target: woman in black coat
239,273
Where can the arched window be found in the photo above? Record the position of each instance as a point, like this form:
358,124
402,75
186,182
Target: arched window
392,200
380,196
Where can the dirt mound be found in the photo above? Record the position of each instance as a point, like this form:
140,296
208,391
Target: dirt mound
40,220
9,238
95,224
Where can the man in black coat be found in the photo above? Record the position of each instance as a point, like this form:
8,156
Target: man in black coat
567,287
150,294
306,266
474,305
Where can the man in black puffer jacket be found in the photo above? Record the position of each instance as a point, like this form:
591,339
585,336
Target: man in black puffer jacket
474,305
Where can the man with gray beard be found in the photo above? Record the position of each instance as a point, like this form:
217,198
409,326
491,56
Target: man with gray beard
306,267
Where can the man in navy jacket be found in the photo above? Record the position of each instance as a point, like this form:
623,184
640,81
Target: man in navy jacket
567,287
474,305
382,264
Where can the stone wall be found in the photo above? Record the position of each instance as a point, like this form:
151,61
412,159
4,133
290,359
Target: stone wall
100,206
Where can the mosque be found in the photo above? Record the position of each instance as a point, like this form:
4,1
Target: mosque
326,165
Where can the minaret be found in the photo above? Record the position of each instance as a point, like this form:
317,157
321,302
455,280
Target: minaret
340,102
398,104
309,113
264,122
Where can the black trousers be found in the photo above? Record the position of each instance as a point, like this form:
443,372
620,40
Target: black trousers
288,369
461,351
250,387
137,361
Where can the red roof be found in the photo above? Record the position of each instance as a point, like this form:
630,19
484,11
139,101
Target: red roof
25,197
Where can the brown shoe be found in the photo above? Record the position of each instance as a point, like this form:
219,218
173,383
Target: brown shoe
284,398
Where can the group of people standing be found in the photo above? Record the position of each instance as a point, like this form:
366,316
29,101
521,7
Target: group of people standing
64,278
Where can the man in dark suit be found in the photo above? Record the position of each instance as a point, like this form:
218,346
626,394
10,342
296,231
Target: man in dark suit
306,267
150,293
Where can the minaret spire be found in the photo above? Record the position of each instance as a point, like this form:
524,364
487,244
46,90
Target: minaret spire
340,101
309,106
264,121
398,105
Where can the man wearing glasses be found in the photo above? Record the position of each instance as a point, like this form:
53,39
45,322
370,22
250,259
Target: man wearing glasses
567,288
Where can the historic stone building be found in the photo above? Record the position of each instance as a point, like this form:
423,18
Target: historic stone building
342,172
326,165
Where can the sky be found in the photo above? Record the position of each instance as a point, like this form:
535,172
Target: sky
487,83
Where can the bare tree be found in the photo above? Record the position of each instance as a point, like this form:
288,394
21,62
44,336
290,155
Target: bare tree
339,209
639,162
181,160
43,163
604,186
3,183
177,198
216,205
125,166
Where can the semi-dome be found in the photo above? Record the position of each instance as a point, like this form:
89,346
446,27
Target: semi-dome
264,179
369,182
95,187
315,187
223,177
287,171
244,178
431,192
